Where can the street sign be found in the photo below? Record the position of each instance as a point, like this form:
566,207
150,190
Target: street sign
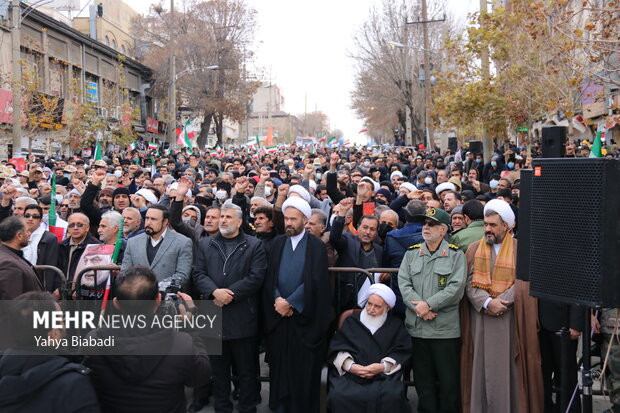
522,129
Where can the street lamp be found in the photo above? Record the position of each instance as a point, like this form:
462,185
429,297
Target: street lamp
194,69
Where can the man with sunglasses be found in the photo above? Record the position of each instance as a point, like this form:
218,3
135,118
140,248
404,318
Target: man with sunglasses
432,279
72,248
42,248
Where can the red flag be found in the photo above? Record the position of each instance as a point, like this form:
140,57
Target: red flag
269,139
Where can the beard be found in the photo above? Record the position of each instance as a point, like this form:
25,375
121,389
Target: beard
88,279
227,231
431,237
292,231
491,238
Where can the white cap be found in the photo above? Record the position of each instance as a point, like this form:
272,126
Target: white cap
408,186
148,195
372,182
301,191
446,186
502,208
396,173
299,204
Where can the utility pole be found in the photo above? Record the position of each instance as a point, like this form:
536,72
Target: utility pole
428,130
17,79
172,127
430,139
485,66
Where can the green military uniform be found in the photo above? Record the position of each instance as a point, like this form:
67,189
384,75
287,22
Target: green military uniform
467,236
609,320
438,278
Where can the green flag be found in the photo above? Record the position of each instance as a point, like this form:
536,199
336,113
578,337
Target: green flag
596,150
98,155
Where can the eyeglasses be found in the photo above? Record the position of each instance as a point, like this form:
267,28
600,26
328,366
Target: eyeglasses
76,224
431,223
32,216
64,205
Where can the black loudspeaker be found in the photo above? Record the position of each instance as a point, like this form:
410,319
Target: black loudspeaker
575,231
524,222
453,144
553,141
475,147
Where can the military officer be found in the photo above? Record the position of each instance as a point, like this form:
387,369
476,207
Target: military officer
432,281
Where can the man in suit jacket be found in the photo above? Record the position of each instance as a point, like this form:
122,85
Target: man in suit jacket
16,274
167,253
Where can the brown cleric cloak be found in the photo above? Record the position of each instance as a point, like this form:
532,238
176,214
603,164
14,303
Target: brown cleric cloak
527,350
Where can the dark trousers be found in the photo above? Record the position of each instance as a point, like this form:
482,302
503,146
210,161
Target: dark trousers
244,354
551,360
436,367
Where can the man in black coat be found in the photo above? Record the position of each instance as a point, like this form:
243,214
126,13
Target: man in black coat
35,382
297,308
354,251
157,364
72,248
230,269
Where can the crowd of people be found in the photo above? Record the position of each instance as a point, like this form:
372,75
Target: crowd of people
257,233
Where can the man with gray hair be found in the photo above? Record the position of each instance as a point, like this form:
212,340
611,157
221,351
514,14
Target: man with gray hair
108,231
229,269
12,204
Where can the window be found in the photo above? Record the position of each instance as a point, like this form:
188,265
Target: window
113,44
123,49
107,41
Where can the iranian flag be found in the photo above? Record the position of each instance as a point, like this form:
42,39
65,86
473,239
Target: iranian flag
133,146
58,231
596,150
323,139
98,155
346,142
153,146
364,129
271,149
186,135
332,141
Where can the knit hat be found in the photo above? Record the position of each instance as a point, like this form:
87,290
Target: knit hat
120,191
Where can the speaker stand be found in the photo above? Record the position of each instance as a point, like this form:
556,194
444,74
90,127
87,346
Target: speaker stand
586,373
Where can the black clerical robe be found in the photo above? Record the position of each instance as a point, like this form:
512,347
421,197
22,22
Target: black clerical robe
296,345
383,393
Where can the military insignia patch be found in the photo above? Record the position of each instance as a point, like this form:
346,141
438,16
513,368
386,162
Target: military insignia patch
431,212
442,280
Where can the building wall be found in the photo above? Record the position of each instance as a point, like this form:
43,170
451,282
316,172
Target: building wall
114,28
59,55
261,100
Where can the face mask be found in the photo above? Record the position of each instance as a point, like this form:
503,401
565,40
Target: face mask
221,195
267,191
68,176
478,160
511,165
428,180
318,176
118,173
189,221
515,198
379,201
366,164
493,164
384,229
493,184
463,179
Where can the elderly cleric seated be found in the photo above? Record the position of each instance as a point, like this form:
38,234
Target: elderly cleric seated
366,357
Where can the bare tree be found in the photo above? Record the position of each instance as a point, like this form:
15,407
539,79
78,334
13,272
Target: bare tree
314,123
215,34
388,54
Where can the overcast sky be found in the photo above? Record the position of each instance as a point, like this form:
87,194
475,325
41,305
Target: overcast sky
304,44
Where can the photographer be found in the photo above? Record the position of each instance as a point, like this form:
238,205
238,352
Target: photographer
148,383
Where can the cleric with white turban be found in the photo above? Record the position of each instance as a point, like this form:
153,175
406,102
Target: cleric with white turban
384,292
502,208
299,204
